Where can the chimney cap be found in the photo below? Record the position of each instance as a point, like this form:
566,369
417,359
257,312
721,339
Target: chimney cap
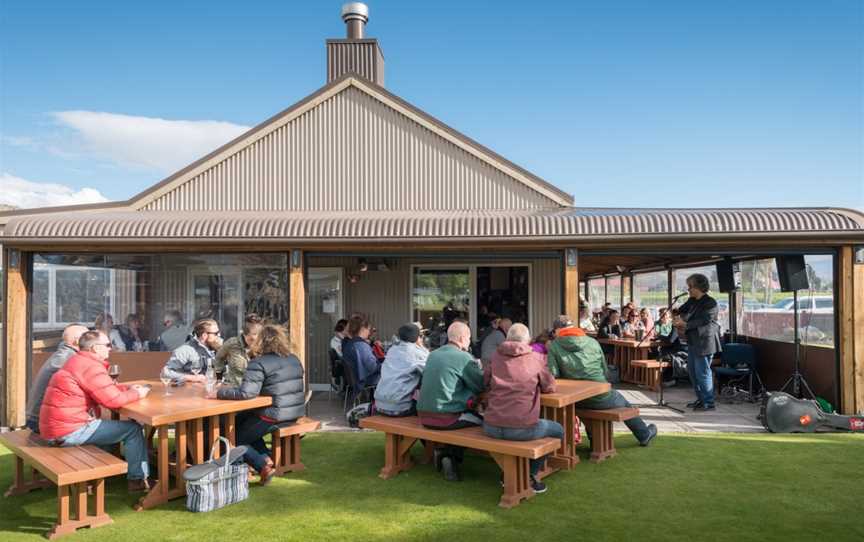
355,10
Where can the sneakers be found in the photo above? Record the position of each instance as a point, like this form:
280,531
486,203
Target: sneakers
703,408
652,434
694,404
538,486
449,469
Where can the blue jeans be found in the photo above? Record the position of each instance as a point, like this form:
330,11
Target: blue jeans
108,432
636,425
699,367
251,430
543,428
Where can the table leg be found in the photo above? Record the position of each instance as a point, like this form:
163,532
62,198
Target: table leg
231,428
199,441
214,434
158,494
180,445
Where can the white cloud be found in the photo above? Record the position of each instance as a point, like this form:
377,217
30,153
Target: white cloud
26,194
152,143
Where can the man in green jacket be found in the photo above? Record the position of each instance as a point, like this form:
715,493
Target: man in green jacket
451,381
575,355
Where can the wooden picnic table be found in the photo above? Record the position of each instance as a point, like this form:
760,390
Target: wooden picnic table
560,407
627,350
186,409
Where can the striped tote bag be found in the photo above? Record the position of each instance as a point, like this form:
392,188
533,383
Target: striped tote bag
219,482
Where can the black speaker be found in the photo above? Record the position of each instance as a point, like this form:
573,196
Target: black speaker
792,272
728,276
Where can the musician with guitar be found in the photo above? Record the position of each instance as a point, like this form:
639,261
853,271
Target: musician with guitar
697,321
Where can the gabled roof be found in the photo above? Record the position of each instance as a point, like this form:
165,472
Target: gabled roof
553,195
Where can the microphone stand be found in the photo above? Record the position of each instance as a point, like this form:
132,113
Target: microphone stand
661,403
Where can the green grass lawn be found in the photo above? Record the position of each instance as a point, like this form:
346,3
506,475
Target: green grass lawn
684,487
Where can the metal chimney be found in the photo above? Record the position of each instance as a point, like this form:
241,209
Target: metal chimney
356,54
355,15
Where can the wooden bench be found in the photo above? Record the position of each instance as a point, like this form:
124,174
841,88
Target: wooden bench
511,456
599,425
646,372
286,445
70,469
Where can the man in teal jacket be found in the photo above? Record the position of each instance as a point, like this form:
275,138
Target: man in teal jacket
451,381
575,355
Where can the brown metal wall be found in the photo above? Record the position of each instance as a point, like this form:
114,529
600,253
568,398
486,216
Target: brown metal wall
352,152
363,58
385,296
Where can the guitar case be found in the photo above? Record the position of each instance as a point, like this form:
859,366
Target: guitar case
783,413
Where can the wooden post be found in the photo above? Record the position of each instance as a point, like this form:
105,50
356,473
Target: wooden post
850,343
846,342
571,283
297,300
15,336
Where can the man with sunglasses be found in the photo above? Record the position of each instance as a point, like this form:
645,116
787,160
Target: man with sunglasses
189,362
70,414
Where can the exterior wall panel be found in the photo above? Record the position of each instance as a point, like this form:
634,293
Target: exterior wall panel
352,152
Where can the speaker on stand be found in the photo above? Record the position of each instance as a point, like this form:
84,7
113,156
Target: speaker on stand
792,274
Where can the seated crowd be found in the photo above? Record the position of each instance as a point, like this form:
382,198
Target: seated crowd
73,385
444,387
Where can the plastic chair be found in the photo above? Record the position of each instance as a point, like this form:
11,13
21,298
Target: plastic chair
738,364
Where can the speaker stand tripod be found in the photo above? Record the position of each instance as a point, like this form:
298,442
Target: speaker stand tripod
797,384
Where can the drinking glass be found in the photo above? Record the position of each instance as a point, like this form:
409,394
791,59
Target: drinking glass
166,382
114,372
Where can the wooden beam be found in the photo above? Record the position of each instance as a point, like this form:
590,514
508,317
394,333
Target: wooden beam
846,341
16,320
858,338
571,283
297,301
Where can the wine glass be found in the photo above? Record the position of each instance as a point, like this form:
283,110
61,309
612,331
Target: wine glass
114,372
166,382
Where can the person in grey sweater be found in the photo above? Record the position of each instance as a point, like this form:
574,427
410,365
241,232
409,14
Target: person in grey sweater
401,373
68,348
493,340
189,362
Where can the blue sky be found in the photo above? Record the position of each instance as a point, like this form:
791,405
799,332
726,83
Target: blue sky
622,103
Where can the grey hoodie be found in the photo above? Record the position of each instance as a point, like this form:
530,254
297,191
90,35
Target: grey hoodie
400,376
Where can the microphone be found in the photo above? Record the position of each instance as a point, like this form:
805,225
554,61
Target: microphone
679,296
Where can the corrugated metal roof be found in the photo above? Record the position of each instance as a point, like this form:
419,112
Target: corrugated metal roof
428,225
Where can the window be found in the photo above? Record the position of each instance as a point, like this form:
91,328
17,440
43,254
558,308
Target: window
651,290
679,279
613,290
142,288
596,293
768,313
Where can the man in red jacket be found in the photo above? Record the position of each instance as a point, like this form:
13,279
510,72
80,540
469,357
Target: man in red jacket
70,413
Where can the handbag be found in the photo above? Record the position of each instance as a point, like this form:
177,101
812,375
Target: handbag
218,482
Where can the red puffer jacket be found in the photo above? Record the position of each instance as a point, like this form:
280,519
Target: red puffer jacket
77,390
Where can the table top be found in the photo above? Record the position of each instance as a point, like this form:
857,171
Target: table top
185,403
572,391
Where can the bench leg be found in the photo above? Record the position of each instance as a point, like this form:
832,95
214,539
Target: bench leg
78,493
517,480
286,453
20,486
397,455
602,444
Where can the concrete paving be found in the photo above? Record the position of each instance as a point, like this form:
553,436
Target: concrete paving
727,418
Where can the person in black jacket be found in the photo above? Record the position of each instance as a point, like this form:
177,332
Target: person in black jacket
697,321
276,372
